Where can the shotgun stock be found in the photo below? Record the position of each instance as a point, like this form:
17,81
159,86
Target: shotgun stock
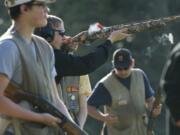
17,95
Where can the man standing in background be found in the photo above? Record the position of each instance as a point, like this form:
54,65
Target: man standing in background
126,93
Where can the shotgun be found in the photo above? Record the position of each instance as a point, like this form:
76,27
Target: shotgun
102,32
67,125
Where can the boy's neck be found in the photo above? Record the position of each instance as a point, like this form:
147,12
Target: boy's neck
24,30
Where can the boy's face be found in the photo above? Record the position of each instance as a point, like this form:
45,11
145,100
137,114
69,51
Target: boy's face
36,16
123,72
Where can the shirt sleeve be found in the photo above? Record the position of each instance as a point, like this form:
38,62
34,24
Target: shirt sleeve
84,85
100,96
149,92
9,57
81,65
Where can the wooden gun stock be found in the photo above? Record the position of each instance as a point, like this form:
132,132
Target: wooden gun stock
67,125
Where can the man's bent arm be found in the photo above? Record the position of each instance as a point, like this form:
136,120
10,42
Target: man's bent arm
81,64
92,111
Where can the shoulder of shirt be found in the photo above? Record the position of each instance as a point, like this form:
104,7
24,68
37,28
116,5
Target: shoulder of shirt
8,48
42,40
137,70
44,43
105,77
99,85
140,71
8,44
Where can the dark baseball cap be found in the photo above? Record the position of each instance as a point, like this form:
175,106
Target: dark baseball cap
122,58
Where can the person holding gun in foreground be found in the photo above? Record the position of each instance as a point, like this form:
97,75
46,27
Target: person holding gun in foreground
27,61
126,93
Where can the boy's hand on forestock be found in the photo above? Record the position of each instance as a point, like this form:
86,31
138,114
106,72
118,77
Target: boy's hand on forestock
67,39
50,120
118,35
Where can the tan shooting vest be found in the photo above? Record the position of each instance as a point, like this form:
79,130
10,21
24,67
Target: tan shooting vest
128,105
37,79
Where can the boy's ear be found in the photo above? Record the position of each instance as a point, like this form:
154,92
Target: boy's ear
24,8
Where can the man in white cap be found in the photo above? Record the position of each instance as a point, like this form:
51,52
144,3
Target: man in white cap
27,62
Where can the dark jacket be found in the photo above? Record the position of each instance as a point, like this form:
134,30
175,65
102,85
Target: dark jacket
70,65
171,82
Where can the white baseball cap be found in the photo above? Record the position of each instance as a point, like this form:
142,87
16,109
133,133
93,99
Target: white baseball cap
13,3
